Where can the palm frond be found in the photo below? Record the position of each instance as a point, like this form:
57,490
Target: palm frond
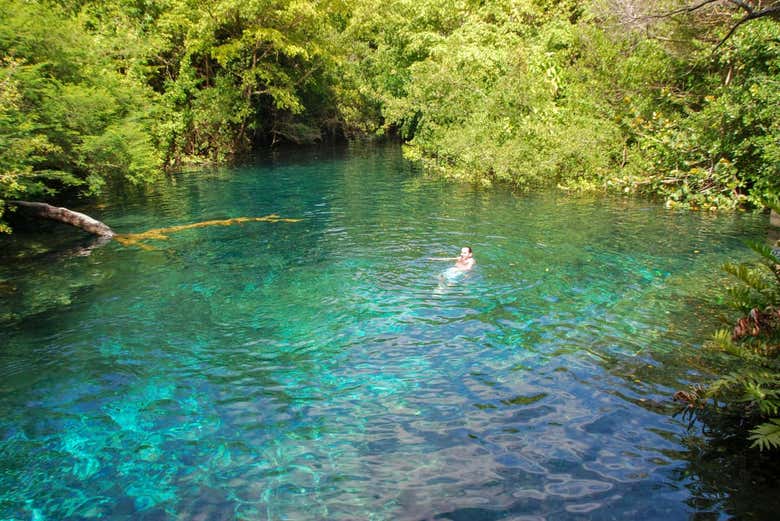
722,341
751,394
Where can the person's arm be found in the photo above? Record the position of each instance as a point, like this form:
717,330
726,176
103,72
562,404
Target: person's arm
443,258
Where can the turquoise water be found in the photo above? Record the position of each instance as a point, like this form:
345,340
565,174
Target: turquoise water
326,370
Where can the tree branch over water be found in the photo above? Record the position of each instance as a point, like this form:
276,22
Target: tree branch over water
753,10
63,215
105,233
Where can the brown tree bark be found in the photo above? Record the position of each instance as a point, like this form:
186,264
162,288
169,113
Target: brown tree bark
63,215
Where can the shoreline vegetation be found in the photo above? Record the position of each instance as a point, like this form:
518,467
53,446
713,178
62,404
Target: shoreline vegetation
743,403
669,99
666,99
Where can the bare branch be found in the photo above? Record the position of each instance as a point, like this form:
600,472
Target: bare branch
739,3
686,9
79,220
772,11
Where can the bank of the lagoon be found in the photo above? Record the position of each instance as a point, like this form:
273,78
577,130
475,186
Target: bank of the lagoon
323,370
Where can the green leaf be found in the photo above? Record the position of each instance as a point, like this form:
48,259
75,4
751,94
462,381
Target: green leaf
767,435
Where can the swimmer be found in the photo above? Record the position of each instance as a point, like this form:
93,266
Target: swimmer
463,262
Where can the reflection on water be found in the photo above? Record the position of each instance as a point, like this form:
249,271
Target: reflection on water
325,369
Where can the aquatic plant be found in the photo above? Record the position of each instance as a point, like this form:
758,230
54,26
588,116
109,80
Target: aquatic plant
750,393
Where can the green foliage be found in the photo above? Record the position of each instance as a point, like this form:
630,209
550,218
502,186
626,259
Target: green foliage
708,139
385,40
92,90
241,71
543,93
767,435
750,393
752,396
496,98
530,93
68,119
759,281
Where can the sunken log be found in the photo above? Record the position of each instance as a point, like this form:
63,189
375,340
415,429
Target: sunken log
63,215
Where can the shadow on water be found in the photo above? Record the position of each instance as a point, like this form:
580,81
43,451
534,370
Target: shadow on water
723,476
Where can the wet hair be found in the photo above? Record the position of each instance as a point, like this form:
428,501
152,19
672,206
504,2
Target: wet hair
468,248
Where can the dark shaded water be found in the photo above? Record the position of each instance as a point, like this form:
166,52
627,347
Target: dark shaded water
323,370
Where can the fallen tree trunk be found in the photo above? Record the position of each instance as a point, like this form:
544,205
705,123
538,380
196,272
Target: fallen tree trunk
63,215
136,239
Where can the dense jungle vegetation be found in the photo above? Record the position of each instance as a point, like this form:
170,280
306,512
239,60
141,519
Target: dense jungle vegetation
640,97
662,98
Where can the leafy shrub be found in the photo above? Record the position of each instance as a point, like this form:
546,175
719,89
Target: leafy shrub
749,394
69,121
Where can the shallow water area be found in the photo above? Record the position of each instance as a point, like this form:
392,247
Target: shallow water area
325,369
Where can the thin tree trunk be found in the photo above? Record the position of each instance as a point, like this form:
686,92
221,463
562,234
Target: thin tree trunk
79,220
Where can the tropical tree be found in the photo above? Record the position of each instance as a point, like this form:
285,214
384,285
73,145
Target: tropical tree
239,72
69,120
586,95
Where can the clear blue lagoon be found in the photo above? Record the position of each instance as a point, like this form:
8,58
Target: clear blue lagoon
324,370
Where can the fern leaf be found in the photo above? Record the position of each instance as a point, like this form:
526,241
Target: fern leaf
764,250
767,435
743,298
724,386
721,341
747,275
769,255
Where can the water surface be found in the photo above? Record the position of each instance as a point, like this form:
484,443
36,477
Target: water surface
324,370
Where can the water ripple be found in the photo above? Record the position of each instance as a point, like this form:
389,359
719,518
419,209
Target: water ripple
327,369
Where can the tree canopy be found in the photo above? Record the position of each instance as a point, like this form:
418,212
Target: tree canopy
604,94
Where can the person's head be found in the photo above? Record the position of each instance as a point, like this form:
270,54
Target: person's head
465,252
